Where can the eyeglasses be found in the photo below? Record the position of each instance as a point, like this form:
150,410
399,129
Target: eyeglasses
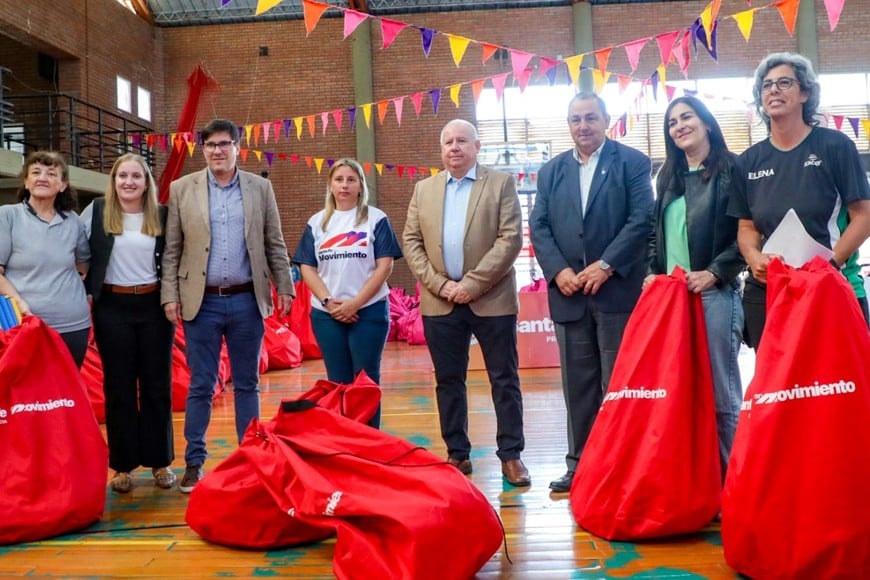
224,145
783,84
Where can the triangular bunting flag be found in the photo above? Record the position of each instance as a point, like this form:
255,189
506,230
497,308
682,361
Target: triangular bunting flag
248,129
519,61
654,83
367,114
788,10
701,34
523,79
623,81
379,167
265,5
398,103
382,110
367,167
294,158
545,66
257,130
744,22
602,56
297,122
266,126
670,91
352,19
476,88
411,171
243,153
600,78
307,159
573,63
312,11
400,169
662,70
458,45
390,29
435,95
708,17
287,124
276,130
337,117
309,121
454,94
417,100
324,120
330,162
866,124
854,122
191,147
269,156
632,49
351,116
834,8
258,154
434,171
426,34
318,162
666,44
488,50
838,122
498,82
682,54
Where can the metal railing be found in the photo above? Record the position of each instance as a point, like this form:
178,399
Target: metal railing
88,136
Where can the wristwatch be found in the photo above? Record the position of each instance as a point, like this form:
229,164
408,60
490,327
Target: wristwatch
604,266
325,301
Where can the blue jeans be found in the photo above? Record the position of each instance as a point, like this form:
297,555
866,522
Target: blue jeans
350,348
723,315
237,319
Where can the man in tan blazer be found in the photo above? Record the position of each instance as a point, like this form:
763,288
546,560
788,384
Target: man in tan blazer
462,237
224,247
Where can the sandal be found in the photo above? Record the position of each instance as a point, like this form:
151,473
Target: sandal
122,482
164,477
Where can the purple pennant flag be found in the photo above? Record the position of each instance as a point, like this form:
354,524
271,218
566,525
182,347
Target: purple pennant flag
435,94
854,122
690,92
551,75
287,124
269,156
225,2
389,167
330,162
137,139
427,34
654,81
351,112
698,33
623,123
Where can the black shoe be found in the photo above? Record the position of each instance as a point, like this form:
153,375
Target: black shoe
192,475
563,484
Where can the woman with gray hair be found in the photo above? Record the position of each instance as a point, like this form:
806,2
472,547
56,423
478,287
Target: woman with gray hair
814,170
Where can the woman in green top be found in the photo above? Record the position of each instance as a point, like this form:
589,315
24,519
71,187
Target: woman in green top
692,230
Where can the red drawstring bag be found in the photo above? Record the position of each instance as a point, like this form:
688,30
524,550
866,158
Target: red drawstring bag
283,347
232,507
398,510
650,468
795,498
300,322
92,375
53,459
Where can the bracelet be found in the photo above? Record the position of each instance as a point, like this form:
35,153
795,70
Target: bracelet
834,263
715,277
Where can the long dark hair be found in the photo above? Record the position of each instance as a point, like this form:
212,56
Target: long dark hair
65,200
675,164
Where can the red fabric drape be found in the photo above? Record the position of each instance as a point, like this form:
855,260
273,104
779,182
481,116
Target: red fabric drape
198,81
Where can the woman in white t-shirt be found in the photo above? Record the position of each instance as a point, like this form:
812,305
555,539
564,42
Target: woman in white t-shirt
346,255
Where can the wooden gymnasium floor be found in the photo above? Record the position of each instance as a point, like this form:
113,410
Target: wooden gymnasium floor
143,534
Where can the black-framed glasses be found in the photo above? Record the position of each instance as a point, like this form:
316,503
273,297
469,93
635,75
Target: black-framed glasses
783,84
224,145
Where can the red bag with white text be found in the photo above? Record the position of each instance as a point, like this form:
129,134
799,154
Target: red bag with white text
795,499
233,492
398,510
650,468
53,459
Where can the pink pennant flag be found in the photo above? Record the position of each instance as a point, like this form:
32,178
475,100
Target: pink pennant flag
670,90
337,116
352,19
266,127
682,54
623,81
276,130
632,49
294,158
417,99
324,120
390,29
476,88
838,122
411,172
834,8
523,79
666,44
498,82
398,103
519,61
545,64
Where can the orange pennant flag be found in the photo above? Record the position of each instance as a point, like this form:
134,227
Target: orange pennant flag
600,78
297,121
382,110
243,153
367,167
309,120
744,21
265,6
367,113
602,56
398,103
307,159
488,50
312,11
318,163
454,94
623,81
476,88
788,10
257,130
458,45
573,63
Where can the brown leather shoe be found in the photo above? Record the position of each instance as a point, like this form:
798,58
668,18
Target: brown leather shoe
515,472
463,465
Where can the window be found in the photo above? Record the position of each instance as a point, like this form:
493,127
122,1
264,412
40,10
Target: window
124,97
143,103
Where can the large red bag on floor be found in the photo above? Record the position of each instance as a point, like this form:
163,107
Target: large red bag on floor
300,322
92,375
232,507
795,503
650,467
283,347
398,510
53,459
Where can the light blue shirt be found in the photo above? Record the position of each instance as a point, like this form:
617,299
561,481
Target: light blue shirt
587,173
456,198
228,260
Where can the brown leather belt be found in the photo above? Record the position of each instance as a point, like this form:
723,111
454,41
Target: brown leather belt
140,289
230,290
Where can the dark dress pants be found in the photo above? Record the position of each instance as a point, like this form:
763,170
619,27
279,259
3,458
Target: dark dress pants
449,338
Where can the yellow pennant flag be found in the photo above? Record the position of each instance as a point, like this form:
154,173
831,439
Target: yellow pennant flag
265,6
367,113
434,170
297,121
458,45
744,22
380,168
600,78
191,145
866,124
708,16
573,63
663,78
454,94
248,134
258,154
318,163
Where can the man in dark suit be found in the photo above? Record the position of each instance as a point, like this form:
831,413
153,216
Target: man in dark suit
589,229
462,236
224,247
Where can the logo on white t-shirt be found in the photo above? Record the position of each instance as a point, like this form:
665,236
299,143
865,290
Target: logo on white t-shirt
347,239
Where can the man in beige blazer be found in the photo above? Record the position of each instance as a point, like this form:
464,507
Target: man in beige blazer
462,237
224,247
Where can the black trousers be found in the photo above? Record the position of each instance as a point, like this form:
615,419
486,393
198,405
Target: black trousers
135,343
449,338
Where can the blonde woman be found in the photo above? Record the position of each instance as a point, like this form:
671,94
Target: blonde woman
125,230
346,255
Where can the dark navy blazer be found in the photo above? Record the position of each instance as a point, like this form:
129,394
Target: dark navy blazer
615,228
